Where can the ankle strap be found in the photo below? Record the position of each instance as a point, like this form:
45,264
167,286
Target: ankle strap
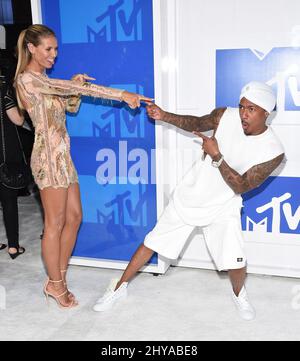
63,270
54,281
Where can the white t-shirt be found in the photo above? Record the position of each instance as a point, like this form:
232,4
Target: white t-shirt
203,195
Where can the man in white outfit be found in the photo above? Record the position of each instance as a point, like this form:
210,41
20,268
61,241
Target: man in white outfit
240,155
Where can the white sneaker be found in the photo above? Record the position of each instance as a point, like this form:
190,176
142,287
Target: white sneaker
243,305
111,296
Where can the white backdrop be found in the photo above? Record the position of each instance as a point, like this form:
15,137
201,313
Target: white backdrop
190,34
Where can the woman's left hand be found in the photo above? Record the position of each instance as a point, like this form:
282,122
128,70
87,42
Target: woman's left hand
134,100
81,78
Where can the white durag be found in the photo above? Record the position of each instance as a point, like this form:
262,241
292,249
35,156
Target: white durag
260,94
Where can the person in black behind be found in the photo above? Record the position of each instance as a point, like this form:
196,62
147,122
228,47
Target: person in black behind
26,133
8,197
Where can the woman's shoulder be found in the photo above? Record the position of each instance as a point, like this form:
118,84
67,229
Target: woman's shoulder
23,77
28,80
28,75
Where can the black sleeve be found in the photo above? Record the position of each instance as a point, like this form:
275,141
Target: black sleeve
9,100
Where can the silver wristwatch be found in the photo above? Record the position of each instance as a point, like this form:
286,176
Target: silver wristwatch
217,163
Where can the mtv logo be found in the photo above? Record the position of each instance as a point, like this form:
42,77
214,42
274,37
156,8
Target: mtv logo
122,123
97,120
273,207
102,21
94,120
279,68
260,226
127,208
121,21
119,204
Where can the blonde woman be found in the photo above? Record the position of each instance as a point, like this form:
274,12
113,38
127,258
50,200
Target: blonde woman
46,101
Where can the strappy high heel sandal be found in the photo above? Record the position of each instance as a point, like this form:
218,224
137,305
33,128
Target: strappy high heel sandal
70,294
57,297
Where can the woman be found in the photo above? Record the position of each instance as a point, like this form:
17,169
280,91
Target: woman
46,101
8,197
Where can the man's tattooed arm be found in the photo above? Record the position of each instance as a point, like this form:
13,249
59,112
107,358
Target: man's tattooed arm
192,123
252,178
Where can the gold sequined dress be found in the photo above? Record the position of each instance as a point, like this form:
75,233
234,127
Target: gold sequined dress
46,101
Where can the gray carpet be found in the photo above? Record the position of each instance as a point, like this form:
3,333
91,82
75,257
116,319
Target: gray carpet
183,304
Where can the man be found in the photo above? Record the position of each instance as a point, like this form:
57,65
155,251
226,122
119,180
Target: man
240,155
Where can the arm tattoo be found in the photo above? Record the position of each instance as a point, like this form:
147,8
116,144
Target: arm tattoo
191,123
252,178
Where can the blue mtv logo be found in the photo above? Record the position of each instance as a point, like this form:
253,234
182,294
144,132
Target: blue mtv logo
124,204
127,209
97,120
280,68
122,123
121,21
274,207
106,20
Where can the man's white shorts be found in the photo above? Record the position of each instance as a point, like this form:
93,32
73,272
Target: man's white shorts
223,238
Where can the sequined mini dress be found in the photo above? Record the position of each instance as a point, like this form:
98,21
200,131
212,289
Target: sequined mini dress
46,100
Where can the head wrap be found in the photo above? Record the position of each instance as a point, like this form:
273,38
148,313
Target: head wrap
260,94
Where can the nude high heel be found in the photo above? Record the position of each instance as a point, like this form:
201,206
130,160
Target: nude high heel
70,294
56,297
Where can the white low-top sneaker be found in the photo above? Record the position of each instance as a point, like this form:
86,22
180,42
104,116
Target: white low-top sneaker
111,296
243,305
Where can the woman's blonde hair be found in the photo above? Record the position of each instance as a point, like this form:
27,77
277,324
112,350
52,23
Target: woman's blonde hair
33,34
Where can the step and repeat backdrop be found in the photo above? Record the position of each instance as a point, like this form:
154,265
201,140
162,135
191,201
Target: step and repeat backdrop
112,145
222,46
210,50
274,207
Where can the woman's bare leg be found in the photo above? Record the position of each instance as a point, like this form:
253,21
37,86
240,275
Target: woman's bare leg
54,204
71,226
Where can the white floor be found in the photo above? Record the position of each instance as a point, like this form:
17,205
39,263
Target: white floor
184,304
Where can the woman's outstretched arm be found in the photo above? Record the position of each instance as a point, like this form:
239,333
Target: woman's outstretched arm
34,83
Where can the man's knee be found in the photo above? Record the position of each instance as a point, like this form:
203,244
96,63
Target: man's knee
145,249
